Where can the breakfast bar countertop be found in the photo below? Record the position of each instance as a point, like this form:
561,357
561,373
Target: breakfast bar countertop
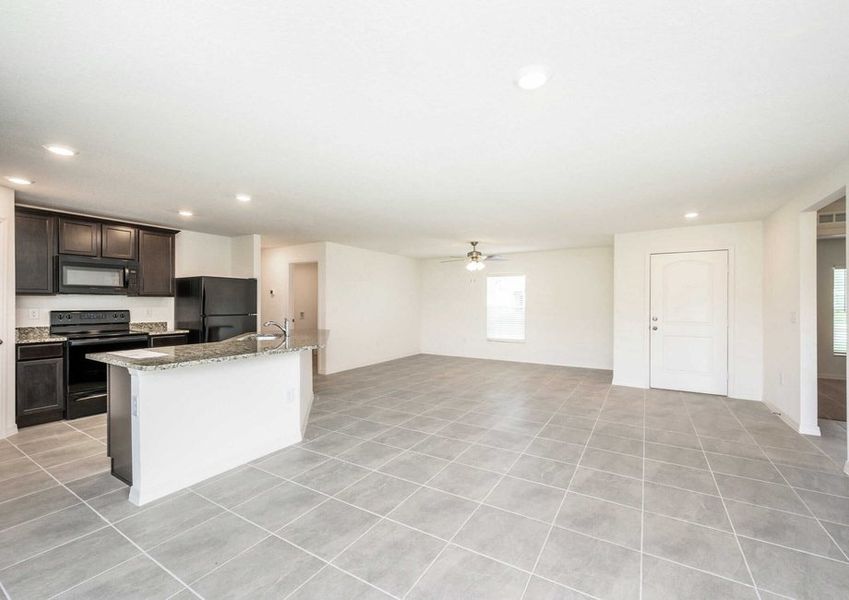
238,348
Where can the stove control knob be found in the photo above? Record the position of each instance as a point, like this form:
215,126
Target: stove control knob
61,317
114,315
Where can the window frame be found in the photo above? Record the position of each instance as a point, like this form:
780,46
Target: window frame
524,309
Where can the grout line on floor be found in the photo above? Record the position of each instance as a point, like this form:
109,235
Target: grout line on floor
108,524
565,494
724,506
805,504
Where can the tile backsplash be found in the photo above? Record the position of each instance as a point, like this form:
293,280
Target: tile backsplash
34,311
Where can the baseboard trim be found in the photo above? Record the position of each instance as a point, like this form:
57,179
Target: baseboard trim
815,431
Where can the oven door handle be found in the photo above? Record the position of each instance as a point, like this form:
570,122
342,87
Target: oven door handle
109,341
90,397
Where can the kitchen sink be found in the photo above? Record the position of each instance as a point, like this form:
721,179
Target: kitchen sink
259,337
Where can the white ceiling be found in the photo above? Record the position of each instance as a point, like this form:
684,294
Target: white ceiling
395,125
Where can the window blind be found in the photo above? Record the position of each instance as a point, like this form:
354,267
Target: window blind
839,333
505,308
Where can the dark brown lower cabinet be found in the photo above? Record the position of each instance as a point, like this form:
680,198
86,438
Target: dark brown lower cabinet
176,339
40,383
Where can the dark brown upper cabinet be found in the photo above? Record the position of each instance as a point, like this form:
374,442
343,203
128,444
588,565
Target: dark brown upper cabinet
42,235
156,263
35,247
79,237
119,241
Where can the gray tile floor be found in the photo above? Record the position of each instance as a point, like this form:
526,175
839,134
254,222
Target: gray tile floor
434,477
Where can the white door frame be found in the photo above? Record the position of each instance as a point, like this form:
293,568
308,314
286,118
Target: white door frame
728,307
7,324
290,302
808,368
732,295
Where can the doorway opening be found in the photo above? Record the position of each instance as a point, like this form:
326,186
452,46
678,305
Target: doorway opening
831,282
303,299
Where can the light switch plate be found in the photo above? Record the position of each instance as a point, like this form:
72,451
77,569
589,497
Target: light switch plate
33,314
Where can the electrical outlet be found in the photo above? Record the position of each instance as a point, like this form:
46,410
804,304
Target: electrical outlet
33,314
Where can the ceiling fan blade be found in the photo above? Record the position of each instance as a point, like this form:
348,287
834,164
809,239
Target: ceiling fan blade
495,257
458,259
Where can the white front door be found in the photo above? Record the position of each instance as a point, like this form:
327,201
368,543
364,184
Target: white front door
688,321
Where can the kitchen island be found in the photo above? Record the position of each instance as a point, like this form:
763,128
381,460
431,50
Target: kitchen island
179,415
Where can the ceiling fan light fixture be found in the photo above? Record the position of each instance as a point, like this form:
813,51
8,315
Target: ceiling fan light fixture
474,265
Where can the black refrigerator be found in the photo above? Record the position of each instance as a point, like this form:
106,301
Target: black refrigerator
215,308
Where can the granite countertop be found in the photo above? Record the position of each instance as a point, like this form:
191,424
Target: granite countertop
36,335
213,352
155,328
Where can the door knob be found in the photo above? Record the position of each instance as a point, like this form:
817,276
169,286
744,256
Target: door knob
654,318
654,328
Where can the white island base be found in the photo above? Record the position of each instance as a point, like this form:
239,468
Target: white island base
173,428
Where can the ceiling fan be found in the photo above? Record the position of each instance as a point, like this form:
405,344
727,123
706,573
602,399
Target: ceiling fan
476,259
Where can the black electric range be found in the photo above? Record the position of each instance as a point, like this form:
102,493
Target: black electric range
90,331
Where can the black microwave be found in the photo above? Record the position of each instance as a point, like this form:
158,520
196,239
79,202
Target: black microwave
85,275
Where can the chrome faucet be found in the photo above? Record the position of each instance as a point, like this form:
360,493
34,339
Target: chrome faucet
284,328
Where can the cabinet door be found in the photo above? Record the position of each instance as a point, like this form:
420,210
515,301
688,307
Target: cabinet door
118,241
79,237
40,391
35,247
156,263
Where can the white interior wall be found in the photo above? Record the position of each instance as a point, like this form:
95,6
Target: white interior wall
790,327
372,307
246,262
7,312
569,308
831,253
245,256
631,300
203,254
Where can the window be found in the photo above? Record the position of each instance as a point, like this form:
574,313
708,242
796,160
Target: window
839,300
505,308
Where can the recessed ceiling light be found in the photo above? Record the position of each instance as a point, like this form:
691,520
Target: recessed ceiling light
243,198
186,213
691,215
532,77
60,150
19,180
